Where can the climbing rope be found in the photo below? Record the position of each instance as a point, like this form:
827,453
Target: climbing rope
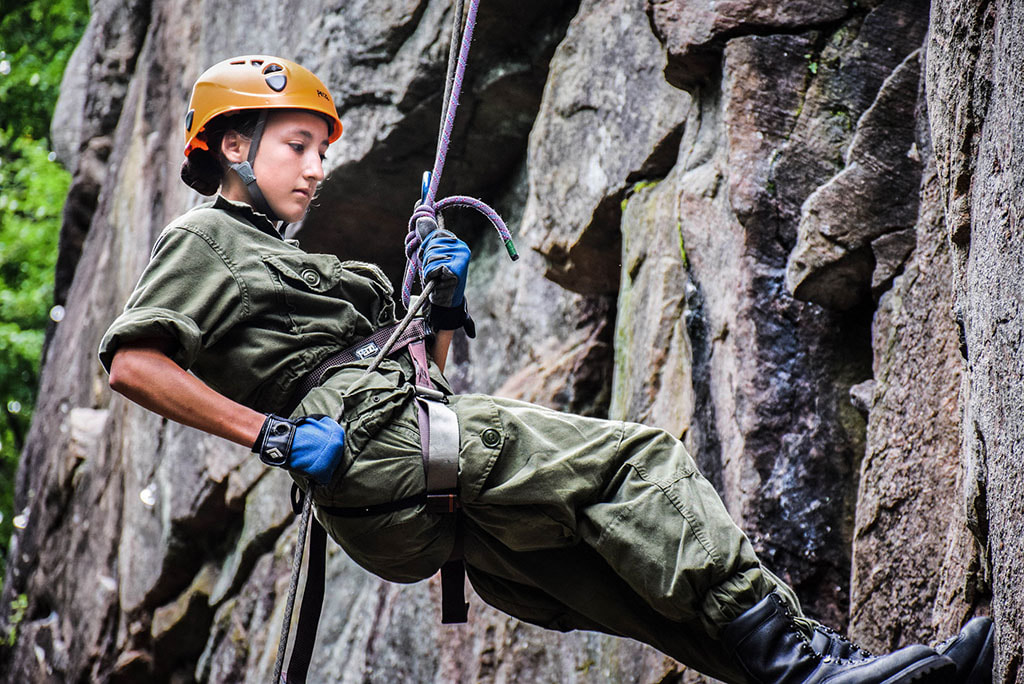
427,207
293,587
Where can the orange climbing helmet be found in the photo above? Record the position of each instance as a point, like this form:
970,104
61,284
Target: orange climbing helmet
255,82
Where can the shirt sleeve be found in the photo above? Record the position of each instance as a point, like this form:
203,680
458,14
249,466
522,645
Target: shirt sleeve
189,294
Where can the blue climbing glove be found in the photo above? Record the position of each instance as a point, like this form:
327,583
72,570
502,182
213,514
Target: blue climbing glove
445,259
312,446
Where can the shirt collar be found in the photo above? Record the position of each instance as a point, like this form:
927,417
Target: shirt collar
245,211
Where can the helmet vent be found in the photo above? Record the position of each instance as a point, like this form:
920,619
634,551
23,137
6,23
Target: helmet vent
277,82
188,120
271,68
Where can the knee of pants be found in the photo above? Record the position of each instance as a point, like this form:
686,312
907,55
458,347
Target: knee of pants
666,530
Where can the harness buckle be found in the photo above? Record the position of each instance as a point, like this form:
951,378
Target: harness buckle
431,394
443,503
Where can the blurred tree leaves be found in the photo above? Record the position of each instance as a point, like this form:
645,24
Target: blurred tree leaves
36,40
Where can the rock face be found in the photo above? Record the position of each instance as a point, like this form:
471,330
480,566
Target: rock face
605,97
739,222
844,253
973,88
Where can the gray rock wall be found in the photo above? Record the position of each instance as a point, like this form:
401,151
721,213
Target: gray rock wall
974,90
784,232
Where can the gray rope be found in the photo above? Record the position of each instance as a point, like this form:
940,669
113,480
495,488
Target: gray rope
293,588
453,62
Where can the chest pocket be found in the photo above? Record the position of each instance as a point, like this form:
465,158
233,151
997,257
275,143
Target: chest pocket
318,273
309,290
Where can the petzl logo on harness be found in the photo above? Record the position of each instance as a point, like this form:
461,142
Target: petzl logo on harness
367,350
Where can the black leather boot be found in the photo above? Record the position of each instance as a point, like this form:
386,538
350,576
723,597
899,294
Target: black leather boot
972,650
772,650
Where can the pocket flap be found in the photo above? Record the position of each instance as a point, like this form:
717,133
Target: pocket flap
314,272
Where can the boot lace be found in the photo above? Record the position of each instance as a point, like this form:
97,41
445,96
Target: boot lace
943,646
854,649
805,642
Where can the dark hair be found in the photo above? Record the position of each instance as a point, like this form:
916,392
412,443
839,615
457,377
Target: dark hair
203,170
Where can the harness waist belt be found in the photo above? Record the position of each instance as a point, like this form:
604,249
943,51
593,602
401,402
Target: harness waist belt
366,348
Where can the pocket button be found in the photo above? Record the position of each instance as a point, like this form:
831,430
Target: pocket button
491,437
311,277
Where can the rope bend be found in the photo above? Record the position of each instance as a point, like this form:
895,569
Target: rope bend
413,240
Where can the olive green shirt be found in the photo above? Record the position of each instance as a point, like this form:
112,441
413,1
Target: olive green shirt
250,313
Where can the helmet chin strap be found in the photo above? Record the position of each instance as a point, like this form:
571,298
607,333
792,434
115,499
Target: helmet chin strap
248,176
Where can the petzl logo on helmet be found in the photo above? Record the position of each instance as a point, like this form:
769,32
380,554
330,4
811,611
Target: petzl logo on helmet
323,94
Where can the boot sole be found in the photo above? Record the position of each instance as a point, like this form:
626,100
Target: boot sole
934,669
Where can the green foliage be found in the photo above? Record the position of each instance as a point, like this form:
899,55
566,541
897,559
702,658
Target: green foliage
682,245
18,608
36,40
32,191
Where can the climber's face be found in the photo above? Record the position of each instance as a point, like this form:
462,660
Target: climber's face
289,162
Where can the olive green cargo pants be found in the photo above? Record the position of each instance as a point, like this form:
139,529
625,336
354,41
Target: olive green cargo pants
570,523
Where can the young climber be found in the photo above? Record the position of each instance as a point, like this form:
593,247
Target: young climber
567,522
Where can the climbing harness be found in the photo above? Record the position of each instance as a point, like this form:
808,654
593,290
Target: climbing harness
364,349
439,429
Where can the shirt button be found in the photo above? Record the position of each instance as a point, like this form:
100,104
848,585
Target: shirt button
491,437
311,277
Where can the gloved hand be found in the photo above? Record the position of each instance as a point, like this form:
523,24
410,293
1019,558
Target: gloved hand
312,446
445,259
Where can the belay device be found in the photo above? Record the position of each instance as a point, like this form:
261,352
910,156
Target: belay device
439,430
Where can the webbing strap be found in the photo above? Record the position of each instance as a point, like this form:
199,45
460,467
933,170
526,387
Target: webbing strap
312,603
248,176
454,608
439,440
442,446
418,350
363,349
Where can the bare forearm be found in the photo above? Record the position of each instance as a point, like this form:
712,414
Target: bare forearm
442,342
151,379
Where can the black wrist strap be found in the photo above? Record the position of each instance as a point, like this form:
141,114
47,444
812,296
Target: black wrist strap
258,444
451,318
274,443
